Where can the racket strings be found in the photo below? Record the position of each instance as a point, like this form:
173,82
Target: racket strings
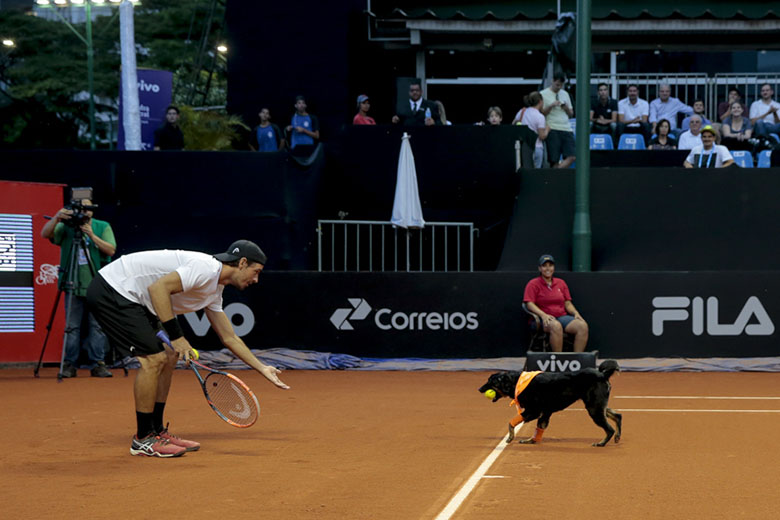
232,399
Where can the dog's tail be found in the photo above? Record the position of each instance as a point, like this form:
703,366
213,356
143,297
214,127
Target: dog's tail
609,367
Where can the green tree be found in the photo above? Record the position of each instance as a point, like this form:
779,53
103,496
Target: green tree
44,77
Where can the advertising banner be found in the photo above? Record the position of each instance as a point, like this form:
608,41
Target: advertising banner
28,273
479,315
155,90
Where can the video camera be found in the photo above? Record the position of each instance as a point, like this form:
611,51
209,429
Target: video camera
79,216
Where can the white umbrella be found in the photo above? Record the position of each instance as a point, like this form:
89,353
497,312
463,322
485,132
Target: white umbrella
407,211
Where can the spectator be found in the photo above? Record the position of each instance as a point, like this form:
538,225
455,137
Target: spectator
663,139
169,135
531,116
414,112
557,109
549,298
604,113
100,246
442,113
495,116
737,130
763,113
362,117
692,136
266,136
633,113
304,129
698,108
667,107
701,155
724,109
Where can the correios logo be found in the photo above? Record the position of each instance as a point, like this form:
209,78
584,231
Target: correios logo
387,319
675,308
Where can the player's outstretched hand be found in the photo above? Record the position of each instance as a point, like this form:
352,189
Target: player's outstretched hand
272,374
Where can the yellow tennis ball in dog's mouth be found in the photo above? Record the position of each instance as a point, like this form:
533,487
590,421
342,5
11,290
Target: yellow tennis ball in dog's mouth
490,394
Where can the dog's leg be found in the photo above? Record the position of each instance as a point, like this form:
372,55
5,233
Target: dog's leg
618,418
517,419
599,416
541,425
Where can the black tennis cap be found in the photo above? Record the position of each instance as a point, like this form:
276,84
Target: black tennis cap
546,258
243,249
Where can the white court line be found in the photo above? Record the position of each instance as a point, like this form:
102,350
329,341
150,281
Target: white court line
746,398
473,480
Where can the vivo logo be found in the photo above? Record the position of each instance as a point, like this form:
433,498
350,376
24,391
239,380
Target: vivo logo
556,365
676,308
148,87
200,326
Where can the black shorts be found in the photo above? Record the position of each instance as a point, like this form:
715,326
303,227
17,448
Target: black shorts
560,144
130,327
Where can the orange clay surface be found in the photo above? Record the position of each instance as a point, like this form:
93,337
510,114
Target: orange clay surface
390,445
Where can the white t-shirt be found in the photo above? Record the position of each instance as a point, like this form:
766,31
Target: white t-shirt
534,120
557,118
718,155
629,111
131,275
759,108
688,141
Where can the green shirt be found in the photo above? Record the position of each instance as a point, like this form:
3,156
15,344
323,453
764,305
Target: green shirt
557,118
63,237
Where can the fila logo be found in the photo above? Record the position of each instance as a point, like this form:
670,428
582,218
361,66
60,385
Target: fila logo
675,308
360,309
556,365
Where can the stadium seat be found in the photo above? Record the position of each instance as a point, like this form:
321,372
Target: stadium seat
764,158
631,142
743,158
601,142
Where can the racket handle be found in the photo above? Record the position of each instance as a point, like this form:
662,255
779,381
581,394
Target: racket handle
162,336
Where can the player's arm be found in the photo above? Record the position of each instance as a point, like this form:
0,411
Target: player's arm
546,318
571,309
224,329
160,293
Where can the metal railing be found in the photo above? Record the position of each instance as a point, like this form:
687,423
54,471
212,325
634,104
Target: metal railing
749,85
370,245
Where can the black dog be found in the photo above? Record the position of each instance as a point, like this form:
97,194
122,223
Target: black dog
551,392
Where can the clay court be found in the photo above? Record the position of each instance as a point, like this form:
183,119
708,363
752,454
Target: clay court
393,445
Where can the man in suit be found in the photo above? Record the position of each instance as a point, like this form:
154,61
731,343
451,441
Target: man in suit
413,112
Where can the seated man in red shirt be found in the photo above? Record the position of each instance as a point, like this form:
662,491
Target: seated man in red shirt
549,298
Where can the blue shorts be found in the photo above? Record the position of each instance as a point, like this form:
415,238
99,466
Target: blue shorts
563,320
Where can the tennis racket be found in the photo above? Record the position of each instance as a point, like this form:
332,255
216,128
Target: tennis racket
229,397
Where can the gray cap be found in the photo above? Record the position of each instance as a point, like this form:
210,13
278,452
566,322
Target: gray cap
243,249
546,258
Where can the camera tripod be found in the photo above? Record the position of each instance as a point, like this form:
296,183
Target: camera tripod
70,273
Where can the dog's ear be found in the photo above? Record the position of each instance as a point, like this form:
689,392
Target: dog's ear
505,382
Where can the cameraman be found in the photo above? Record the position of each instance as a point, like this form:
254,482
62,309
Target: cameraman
101,245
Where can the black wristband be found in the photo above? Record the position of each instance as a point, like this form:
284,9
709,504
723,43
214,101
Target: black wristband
172,329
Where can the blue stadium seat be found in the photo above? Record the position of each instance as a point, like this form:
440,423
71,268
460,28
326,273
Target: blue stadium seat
743,158
764,158
631,142
601,142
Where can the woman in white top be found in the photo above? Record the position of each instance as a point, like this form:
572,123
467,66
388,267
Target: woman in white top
708,154
532,117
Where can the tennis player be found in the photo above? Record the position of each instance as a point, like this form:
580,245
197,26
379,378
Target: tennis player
137,294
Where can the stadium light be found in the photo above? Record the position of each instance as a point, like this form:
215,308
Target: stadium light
7,42
222,48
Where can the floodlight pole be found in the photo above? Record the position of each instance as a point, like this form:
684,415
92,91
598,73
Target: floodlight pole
90,64
90,74
581,233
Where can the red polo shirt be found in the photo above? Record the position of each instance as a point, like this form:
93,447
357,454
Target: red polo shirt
548,298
